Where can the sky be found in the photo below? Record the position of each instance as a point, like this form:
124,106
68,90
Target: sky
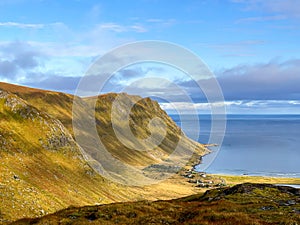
251,46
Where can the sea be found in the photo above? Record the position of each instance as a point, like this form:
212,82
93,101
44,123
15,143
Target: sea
262,145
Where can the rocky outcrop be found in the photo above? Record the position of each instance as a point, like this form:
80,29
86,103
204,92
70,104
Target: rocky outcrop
53,133
18,105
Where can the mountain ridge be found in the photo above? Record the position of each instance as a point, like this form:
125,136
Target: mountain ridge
42,166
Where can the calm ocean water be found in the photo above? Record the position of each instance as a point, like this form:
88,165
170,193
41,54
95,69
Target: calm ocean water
266,145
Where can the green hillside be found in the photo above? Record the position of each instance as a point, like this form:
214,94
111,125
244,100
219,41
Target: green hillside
42,168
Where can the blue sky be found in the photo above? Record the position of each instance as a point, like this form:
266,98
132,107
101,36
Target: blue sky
252,46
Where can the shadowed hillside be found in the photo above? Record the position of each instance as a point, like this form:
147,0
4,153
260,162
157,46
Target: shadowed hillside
142,122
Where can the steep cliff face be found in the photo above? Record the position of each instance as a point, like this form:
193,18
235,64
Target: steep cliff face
137,131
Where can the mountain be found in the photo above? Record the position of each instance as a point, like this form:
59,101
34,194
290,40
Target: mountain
137,133
43,167
242,204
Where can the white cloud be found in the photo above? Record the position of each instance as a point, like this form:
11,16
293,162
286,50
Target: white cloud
122,28
150,83
67,43
254,106
113,27
138,28
189,106
294,102
22,25
161,22
57,26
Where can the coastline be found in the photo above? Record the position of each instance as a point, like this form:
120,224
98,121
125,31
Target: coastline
217,180
276,156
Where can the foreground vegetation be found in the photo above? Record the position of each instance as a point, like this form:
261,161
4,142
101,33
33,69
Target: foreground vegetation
242,204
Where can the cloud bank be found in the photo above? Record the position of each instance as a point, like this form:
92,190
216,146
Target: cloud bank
270,81
270,86
17,59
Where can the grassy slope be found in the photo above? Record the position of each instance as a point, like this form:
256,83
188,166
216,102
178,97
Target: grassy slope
233,180
241,204
37,178
56,104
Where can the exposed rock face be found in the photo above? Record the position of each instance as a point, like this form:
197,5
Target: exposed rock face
18,105
53,136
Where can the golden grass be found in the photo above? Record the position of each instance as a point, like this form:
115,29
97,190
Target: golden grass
246,204
235,179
